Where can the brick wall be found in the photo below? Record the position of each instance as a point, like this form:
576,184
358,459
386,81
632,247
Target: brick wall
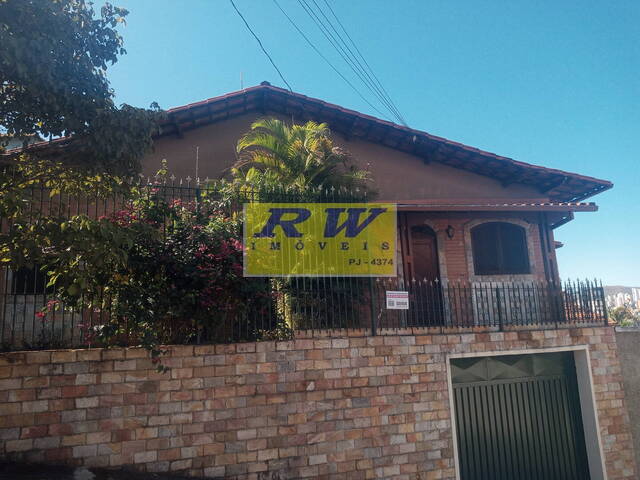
456,254
356,408
628,340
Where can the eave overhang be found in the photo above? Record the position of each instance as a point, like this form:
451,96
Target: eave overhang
264,99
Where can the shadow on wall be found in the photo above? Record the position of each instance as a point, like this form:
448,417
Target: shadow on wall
628,340
20,471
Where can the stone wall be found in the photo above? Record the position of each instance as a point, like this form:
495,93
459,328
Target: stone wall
347,408
628,340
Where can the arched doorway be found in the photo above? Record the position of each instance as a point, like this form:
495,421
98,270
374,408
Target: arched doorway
419,249
423,253
422,273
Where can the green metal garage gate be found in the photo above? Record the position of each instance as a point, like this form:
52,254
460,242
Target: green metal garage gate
518,418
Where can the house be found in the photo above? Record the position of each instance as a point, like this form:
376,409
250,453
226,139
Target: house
450,196
495,371
465,215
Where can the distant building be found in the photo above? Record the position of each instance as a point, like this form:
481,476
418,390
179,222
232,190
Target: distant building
635,296
620,299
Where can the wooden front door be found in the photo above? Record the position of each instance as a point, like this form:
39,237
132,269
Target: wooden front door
420,250
421,272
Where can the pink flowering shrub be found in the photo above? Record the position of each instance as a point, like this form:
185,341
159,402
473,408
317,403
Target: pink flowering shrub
183,278
156,271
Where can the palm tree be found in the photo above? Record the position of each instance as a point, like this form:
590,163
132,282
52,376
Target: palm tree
298,158
301,160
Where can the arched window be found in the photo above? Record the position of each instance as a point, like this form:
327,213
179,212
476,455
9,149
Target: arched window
499,248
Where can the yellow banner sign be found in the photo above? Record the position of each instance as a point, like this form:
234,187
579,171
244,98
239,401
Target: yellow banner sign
319,239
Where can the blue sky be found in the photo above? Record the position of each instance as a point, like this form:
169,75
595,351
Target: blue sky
547,82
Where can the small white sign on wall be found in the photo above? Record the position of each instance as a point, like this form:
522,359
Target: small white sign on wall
397,300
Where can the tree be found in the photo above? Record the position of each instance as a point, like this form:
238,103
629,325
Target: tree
139,267
297,157
302,161
53,63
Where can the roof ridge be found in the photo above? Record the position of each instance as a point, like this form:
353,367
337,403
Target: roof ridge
559,185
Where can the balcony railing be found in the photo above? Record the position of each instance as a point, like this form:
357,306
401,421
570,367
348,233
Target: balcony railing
310,307
296,306
495,305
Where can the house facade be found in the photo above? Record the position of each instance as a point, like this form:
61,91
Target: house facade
495,371
450,196
465,216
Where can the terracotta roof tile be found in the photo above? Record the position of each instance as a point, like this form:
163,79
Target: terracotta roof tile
558,185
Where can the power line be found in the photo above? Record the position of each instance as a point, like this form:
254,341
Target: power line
377,80
371,84
327,34
380,92
368,78
346,55
312,45
261,46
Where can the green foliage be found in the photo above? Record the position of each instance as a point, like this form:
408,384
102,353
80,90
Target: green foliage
18,183
115,140
303,309
624,316
296,158
158,271
154,271
33,237
186,283
300,163
53,64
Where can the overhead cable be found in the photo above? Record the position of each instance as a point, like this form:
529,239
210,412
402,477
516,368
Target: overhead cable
313,46
261,46
364,60
342,48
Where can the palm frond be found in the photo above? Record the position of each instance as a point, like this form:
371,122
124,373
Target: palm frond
298,157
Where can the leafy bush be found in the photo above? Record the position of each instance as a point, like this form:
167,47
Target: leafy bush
154,271
183,280
625,316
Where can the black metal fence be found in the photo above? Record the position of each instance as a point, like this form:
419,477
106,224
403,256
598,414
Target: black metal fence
497,305
291,306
